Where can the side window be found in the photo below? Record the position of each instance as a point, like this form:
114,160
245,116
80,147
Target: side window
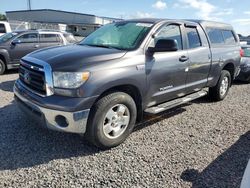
170,32
194,40
28,38
215,36
229,37
49,38
2,28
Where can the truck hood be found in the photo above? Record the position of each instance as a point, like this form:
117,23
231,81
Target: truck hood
75,57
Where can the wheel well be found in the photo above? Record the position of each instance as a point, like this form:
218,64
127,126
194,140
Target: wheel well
3,58
230,67
130,90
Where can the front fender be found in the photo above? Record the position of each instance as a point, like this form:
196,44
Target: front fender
5,54
103,80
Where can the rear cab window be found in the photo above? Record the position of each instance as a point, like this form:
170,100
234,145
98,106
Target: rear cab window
193,36
221,36
215,36
228,37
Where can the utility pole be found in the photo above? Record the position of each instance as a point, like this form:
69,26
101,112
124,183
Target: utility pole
29,4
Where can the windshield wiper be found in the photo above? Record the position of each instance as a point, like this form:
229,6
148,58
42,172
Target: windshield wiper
102,46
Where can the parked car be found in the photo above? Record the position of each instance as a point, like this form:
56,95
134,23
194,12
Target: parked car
245,64
4,28
245,183
245,39
104,84
15,45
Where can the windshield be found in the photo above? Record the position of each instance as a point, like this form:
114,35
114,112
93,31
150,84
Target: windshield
7,37
121,35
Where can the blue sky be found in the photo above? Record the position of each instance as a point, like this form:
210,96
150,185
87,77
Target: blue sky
232,11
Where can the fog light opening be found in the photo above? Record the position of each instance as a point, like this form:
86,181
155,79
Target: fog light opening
61,121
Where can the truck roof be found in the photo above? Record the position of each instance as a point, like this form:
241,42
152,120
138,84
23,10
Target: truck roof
203,23
206,23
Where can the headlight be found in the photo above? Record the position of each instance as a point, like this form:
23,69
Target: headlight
69,80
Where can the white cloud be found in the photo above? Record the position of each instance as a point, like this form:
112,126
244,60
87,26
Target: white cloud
139,14
205,10
224,12
247,12
160,5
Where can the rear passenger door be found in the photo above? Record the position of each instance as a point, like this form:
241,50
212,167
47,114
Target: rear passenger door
49,39
199,58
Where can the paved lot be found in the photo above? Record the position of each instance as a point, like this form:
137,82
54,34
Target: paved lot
201,144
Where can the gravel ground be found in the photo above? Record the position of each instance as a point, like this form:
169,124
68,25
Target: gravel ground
202,144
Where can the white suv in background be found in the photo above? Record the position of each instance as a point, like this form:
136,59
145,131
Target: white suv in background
4,27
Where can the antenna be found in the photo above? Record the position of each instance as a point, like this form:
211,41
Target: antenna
29,4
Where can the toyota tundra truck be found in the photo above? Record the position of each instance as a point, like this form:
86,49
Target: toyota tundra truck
102,86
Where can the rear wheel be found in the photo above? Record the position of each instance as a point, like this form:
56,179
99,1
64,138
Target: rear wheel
111,120
220,91
2,67
248,80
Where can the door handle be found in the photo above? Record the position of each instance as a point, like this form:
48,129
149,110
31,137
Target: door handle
183,58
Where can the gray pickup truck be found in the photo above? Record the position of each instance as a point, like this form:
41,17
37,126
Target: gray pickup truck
102,86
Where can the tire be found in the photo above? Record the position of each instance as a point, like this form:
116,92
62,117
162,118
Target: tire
2,67
248,80
220,91
111,120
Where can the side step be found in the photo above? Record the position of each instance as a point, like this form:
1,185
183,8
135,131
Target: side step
176,102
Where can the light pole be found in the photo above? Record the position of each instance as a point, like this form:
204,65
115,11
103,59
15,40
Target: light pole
29,4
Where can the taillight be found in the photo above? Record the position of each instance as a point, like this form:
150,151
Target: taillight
241,52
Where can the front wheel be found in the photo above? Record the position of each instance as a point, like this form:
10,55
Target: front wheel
220,91
2,67
111,120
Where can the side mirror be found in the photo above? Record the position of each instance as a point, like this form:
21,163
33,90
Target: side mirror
14,42
164,45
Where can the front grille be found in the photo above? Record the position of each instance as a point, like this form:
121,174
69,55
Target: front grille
33,77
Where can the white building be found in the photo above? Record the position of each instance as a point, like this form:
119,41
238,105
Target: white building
76,23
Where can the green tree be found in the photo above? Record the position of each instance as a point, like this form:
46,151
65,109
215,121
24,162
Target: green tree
3,17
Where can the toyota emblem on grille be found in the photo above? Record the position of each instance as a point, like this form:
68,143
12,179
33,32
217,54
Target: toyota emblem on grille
27,77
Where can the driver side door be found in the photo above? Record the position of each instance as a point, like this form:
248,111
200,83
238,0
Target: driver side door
167,71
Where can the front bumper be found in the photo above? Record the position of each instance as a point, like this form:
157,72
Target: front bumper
73,122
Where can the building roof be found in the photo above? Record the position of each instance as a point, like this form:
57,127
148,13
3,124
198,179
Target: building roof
60,11
57,16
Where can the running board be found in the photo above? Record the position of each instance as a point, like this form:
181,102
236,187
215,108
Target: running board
175,102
